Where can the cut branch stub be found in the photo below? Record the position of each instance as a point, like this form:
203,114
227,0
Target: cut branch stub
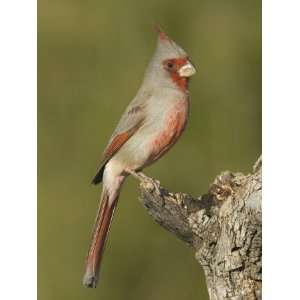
223,226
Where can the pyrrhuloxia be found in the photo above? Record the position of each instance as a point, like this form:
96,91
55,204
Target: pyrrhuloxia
150,126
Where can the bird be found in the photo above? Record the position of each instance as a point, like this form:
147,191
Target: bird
151,124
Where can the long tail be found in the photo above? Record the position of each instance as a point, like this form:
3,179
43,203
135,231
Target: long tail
100,232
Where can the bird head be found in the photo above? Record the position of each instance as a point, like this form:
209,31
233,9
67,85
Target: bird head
170,64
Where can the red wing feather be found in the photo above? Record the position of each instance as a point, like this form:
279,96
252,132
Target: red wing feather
116,144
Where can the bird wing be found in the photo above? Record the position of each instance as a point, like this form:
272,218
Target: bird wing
132,119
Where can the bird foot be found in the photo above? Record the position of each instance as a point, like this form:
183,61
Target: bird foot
138,175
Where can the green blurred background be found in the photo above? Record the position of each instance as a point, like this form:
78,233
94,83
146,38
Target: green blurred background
91,59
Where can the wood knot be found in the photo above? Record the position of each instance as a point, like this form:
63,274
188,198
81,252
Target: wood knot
222,186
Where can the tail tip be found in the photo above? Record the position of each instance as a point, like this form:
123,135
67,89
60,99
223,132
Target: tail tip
90,281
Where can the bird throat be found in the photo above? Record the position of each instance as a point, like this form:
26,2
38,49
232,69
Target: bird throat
181,82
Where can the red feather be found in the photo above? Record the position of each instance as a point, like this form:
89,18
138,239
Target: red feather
177,63
116,144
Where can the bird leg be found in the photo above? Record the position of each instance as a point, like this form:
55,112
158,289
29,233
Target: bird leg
138,175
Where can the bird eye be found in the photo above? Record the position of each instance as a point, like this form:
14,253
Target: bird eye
170,65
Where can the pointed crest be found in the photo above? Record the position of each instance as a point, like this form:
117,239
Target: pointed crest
162,35
166,47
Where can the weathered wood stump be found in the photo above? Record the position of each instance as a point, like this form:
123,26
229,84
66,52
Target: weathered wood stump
223,226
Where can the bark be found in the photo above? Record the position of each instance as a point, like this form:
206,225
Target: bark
223,227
